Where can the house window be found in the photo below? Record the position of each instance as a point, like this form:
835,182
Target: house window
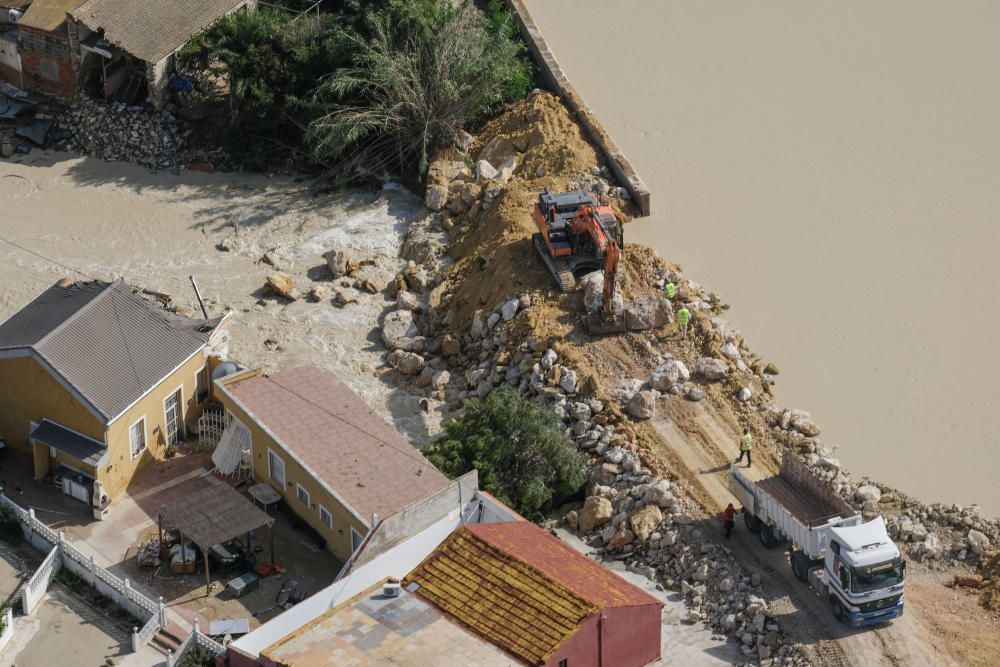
201,385
564,662
356,539
276,469
325,517
137,437
303,495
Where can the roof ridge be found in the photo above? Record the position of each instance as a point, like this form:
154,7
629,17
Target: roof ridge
72,318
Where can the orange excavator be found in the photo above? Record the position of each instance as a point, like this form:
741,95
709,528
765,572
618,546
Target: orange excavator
577,234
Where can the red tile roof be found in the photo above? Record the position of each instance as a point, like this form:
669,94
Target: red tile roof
561,563
329,429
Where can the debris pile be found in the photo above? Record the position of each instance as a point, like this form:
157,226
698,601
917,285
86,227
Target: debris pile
120,132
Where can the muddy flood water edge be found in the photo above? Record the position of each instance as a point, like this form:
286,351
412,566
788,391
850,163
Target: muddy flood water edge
832,171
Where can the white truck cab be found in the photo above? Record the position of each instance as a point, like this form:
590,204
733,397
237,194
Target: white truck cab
856,565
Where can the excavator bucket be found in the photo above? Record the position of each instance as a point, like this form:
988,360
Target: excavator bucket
598,324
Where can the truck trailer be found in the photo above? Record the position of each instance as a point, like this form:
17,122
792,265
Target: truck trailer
855,565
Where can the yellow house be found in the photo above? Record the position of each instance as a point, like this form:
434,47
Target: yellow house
337,464
96,382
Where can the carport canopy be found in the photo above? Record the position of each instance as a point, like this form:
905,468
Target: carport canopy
213,515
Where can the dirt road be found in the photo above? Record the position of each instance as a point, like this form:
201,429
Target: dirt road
703,438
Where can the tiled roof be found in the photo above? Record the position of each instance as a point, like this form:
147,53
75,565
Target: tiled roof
371,629
330,430
558,561
47,15
151,31
499,597
104,340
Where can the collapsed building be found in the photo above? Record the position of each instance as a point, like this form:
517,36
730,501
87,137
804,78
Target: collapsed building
115,50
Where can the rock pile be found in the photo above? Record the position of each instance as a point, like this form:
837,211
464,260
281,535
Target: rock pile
119,132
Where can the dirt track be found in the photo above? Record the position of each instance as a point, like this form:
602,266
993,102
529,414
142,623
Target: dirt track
702,438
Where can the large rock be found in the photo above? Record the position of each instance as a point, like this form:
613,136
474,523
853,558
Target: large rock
485,171
436,197
592,285
648,312
509,309
283,284
568,381
646,521
978,542
660,494
711,369
642,405
398,329
596,512
868,492
665,376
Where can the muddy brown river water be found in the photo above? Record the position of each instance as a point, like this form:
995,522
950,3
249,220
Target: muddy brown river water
834,170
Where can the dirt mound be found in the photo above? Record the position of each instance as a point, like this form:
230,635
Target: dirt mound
989,567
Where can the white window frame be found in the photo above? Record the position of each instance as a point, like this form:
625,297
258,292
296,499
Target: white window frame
145,438
329,515
181,432
299,490
270,469
356,537
202,373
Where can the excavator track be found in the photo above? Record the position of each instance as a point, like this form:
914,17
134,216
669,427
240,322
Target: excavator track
558,268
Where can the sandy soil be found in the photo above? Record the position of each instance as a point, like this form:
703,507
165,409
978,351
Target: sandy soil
834,173
108,220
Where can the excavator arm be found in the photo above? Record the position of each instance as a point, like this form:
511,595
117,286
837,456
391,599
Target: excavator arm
610,278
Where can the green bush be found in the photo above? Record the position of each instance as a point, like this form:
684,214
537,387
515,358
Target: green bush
519,447
421,71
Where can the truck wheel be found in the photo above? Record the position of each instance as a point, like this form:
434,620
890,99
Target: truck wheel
799,568
838,611
753,523
767,537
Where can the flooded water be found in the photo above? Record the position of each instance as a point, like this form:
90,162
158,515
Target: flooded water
834,170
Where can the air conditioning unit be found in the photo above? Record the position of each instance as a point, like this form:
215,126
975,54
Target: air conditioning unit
391,588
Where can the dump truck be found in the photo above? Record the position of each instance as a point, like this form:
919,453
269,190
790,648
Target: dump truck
853,564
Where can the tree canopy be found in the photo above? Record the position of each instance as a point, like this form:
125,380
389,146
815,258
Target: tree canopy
519,448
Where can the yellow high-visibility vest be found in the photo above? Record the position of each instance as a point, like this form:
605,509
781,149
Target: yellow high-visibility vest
670,290
683,316
745,442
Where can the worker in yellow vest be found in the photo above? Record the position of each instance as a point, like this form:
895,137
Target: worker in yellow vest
683,317
670,290
745,442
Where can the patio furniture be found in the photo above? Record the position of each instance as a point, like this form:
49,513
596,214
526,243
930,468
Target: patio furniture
264,494
242,585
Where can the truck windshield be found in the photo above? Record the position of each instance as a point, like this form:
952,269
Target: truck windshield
880,575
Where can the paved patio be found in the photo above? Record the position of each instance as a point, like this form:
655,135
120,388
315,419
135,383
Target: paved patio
131,522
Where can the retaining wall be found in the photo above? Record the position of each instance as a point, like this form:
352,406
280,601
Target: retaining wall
622,169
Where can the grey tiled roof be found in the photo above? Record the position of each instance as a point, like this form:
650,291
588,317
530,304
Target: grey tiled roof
151,31
79,446
107,342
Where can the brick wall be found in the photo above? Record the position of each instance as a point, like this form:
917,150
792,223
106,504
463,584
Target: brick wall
45,63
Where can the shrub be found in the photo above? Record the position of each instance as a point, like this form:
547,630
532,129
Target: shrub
421,71
519,448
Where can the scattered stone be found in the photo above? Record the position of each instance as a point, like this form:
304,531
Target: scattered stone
485,171
319,293
694,394
978,542
342,298
282,284
407,363
969,580
398,329
509,309
441,379
868,492
407,301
